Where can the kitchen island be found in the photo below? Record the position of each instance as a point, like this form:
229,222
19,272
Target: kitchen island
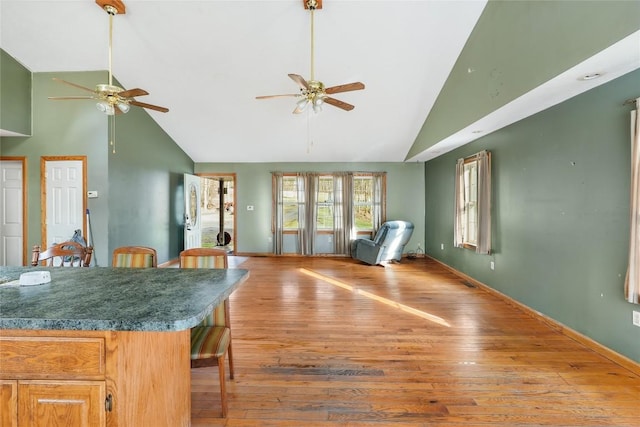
103,346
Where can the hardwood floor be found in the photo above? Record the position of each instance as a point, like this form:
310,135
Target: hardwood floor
332,342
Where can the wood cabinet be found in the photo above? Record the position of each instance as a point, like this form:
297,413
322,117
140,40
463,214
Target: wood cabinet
61,403
8,403
52,403
94,378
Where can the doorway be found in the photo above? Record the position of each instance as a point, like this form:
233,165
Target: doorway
13,211
63,202
218,211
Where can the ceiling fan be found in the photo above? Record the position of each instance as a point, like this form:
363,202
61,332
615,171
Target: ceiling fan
312,91
111,99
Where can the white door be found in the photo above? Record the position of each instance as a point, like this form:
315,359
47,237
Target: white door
192,218
11,205
65,199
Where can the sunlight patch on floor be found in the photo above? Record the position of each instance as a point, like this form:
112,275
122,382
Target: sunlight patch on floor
367,294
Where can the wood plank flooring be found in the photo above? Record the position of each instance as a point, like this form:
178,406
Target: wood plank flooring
333,342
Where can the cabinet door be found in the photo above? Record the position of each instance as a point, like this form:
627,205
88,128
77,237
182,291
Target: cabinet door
8,403
61,403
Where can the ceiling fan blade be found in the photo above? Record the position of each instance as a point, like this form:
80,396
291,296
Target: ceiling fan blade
149,106
277,96
344,88
338,103
300,81
58,98
74,85
130,93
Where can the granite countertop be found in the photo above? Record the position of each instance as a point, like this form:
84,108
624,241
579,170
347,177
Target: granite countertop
115,299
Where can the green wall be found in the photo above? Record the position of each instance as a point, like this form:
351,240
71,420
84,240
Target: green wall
561,182
146,184
514,47
64,128
137,186
15,95
405,189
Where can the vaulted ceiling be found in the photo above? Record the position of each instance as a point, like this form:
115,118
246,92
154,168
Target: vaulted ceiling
438,74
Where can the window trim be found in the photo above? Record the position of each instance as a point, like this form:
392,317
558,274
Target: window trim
465,243
483,203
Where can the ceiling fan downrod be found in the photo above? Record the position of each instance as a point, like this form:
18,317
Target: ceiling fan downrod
111,11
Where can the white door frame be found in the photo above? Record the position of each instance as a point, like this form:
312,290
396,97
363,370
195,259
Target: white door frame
23,161
43,189
192,212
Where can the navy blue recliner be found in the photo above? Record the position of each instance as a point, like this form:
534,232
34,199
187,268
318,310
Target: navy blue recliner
387,245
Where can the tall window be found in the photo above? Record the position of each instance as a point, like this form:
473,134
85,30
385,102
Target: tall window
472,223
325,201
363,202
290,202
470,209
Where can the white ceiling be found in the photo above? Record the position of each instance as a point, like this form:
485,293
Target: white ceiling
208,60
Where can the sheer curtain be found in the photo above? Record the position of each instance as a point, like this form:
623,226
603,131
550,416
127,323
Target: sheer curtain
342,212
277,215
632,281
484,203
379,200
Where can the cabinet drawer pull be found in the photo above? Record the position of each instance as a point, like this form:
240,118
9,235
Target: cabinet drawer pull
108,403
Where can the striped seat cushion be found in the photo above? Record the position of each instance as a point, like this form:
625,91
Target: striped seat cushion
216,318
134,260
202,262
209,341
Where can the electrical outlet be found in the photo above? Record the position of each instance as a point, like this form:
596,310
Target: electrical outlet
442,246
492,265
636,318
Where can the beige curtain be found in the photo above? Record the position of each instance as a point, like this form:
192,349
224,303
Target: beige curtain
484,203
632,282
342,212
277,214
307,184
458,234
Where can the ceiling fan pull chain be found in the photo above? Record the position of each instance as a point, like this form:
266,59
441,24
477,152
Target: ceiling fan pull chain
112,133
309,133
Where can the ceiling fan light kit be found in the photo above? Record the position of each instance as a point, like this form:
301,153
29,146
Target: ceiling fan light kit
313,91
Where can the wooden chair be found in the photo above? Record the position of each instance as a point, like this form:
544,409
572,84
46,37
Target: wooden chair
211,339
65,254
134,257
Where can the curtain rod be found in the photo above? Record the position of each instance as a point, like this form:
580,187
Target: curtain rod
630,101
329,173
